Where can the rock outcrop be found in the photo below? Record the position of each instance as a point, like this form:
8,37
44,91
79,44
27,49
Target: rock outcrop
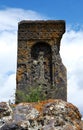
44,115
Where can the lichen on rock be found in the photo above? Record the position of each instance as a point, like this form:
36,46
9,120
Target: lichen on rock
45,115
5,113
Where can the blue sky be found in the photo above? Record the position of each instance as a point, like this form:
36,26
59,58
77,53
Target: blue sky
69,10
13,11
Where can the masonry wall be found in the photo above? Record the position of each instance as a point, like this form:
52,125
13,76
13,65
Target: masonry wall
38,59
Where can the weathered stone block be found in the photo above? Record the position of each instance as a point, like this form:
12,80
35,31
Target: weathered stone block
38,59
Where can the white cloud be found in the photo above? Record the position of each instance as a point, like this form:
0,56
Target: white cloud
71,53
7,88
9,19
10,16
8,45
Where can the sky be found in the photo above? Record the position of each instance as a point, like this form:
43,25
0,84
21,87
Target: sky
71,50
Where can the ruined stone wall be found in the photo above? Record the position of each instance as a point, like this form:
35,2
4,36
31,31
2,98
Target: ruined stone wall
38,58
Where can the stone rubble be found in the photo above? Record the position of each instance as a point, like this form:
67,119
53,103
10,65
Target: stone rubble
45,115
5,113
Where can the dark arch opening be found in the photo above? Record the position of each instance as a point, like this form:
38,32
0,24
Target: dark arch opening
40,47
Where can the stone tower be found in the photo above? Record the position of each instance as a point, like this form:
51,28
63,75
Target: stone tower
38,58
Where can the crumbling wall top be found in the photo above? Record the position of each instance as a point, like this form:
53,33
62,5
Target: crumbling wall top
42,21
41,29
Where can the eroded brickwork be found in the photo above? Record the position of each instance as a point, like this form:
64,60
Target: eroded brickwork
38,58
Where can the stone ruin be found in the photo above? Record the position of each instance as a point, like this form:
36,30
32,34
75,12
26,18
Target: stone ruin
38,59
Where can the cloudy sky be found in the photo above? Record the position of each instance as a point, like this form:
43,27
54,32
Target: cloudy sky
13,11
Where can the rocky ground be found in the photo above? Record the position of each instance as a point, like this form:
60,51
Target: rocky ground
45,115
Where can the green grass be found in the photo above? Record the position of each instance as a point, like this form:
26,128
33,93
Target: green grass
31,94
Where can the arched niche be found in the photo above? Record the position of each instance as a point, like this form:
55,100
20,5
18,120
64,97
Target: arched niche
41,68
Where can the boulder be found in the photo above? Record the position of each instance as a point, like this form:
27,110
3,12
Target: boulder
45,115
5,113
